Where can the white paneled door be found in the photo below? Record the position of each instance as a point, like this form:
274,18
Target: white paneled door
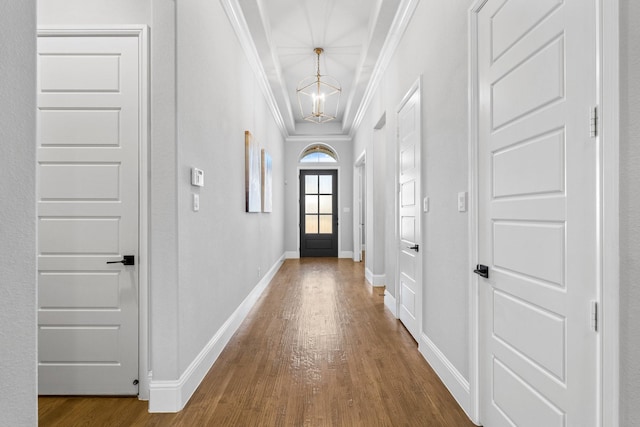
409,260
88,142
538,219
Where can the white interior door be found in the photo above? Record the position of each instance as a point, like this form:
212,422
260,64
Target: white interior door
361,211
409,260
537,213
88,141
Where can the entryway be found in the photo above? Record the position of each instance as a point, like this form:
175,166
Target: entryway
319,213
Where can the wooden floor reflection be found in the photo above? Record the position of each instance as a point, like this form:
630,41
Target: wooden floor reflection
318,349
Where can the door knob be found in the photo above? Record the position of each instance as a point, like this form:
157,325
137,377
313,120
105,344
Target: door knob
415,248
482,270
126,260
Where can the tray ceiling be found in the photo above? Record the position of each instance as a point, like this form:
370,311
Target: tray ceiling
284,34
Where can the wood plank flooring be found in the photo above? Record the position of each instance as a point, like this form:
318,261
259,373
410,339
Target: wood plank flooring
318,349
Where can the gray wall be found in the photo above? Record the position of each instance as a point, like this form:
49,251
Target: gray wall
293,149
630,212
94,12
441,39
18,373
224,251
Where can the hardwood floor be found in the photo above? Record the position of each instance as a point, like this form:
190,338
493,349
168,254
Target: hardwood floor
318,349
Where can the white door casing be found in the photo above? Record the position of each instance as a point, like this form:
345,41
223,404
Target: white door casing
409,275
89,137
537,213
358,207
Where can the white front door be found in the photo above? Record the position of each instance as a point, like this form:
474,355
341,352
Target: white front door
88,141
409,260
538,220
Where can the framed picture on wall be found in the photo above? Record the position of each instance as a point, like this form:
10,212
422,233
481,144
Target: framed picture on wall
252,163
267,185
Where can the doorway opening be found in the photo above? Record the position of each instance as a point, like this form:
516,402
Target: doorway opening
319,213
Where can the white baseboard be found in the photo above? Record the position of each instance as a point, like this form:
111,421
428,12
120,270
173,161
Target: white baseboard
390,303
172,396
455,382
346,254
379,279
368,275
374,279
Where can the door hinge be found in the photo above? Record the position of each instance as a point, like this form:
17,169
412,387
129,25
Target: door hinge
399,188
594,122
594,315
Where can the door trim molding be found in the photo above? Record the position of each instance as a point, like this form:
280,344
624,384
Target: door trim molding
142,33
357,241
609,256
473,411
609,93
322,167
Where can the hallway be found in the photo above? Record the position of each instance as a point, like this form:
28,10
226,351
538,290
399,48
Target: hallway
319,348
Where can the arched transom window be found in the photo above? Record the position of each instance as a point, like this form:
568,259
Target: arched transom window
318,153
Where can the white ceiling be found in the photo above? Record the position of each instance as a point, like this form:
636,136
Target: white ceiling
285,32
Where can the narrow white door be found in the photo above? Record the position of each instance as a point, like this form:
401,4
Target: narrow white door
361,214
409,260
88,140
537,213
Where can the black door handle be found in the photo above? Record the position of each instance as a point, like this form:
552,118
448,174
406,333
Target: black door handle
415,248
126,260
482,270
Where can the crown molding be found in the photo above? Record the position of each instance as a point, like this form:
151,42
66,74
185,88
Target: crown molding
397,30
236,18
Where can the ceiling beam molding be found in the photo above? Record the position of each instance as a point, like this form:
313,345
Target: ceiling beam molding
277,69
397,30
319,138
236,18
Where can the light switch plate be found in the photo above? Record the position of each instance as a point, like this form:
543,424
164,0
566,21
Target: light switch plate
197,177
425,205
462,201
196,202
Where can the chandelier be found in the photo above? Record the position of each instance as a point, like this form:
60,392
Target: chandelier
319,95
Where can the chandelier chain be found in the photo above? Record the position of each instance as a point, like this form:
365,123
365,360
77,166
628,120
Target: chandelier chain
318,51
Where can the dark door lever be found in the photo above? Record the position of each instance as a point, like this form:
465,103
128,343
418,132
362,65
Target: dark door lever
126,260
482,270
415,248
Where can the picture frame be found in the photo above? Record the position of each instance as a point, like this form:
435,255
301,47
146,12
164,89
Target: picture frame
267,182
252,174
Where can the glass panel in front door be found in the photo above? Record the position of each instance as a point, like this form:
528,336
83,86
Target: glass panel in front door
318,204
